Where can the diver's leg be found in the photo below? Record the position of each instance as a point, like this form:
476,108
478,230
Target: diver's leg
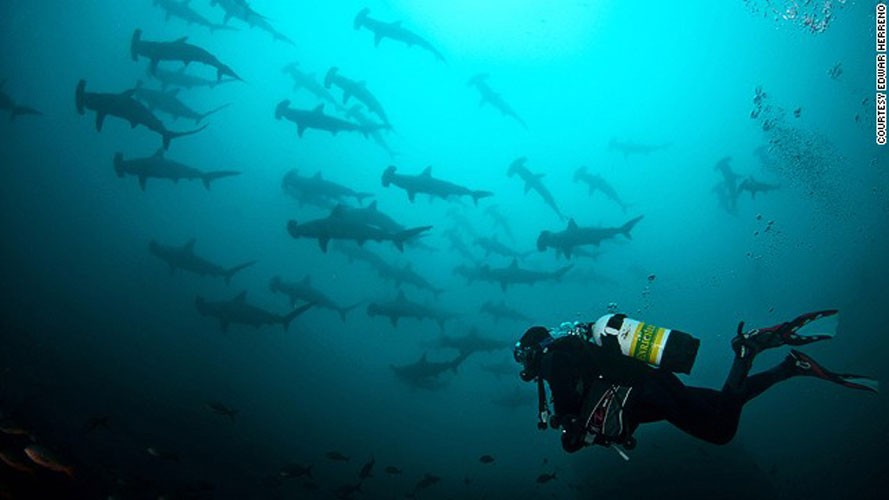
706,414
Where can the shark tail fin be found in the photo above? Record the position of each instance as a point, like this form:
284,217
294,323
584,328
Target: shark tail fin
118,164
209,177
476,195
134,44
402,236
78,96
169,136
626,228
224,70
208,113
234,270
294,313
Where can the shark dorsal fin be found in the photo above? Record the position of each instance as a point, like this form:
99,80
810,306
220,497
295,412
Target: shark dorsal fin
395,24
174,91
539,176
571,224
181,40
128,93
319,109
159,153
427,172
401,296
514,264
307,281
317,175
189,246
242,297
372,206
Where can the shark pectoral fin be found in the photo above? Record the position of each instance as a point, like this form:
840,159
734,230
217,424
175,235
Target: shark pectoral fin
300,128
503,285
152,68
527,187
393,320
142,180
377,39
411,195
100,120
322,242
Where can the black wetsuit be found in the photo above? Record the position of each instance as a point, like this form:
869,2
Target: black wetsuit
573,367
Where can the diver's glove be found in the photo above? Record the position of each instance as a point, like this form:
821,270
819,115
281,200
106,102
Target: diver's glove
572,433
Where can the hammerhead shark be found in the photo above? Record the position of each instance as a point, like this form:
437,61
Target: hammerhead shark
8,104
167,101
123,105
304,291
157,166
480,81
533,181
185,259
316,119
357,89
182,10
237,310
177,50
574,235
336,226
392,31
595,183
426,184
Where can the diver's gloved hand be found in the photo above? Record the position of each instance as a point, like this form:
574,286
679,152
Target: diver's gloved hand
572,434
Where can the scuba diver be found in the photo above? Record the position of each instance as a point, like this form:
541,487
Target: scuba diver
601,391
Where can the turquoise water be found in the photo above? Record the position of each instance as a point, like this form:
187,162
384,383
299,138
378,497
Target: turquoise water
94,325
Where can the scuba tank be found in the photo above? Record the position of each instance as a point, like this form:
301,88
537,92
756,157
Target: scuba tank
665,348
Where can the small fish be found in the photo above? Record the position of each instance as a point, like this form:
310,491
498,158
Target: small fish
486,459
545,478
163,454
45,458
221,409
295,470
337,456
392,470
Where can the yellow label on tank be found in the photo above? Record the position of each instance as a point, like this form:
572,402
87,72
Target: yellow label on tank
646,345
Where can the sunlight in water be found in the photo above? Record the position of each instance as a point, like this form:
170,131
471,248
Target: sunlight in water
510,29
